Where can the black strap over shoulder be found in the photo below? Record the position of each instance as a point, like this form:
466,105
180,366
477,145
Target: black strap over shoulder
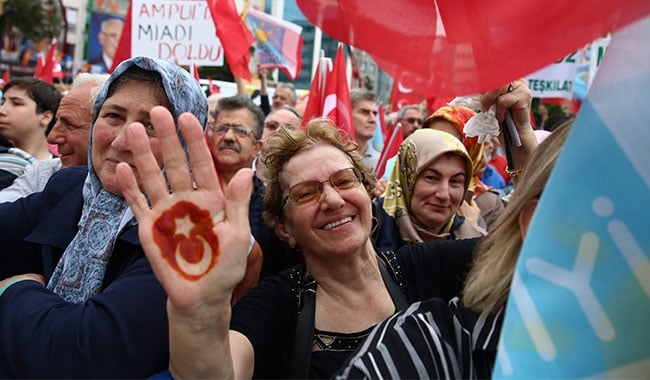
304,335
392,276
305,285
376,220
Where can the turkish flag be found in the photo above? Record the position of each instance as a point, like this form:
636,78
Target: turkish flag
455,47
314,107
391,146
213,88
329,95
401,95
235,36
45,66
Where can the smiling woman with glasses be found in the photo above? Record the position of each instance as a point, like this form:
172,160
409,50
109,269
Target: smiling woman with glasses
304,322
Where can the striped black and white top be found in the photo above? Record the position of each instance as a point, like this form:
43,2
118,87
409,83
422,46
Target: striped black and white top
428,340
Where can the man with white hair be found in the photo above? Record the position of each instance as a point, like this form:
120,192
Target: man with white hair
70,133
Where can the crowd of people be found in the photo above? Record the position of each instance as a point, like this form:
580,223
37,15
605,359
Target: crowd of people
170,233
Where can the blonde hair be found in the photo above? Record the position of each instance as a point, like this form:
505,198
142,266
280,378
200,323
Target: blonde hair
286,143
488,283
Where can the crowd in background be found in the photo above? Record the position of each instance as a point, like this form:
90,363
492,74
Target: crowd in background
267,246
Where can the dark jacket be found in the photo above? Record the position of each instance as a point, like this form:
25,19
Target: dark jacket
385,232
278,255
122,332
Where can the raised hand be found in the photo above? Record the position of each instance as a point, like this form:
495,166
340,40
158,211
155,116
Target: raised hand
517,98
470,210
195,234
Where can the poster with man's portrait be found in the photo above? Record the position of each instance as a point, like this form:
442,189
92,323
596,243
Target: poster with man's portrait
106,23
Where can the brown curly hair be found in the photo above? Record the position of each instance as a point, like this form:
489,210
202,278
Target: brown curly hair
286,143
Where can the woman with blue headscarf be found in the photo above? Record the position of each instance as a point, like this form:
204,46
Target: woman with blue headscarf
90,305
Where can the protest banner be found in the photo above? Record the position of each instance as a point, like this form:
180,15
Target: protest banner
180,31
571,76
556,80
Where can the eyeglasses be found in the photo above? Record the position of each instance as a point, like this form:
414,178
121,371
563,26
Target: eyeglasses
238,129
413,120
308,191
273,125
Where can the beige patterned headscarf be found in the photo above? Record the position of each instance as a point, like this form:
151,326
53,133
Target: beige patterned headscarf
416,153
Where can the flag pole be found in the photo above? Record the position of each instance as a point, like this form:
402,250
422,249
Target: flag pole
318,38
383,157
322,74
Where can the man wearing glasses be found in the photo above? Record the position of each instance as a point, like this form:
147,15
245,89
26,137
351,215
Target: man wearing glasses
410,118
235,139
286,117
235,135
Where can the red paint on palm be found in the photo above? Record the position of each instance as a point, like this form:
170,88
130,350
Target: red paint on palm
185,236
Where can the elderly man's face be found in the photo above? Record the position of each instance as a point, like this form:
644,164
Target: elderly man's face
277,119
283,96
72,127
109,37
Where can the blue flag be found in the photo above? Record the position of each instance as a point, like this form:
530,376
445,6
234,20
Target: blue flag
378,138
580,299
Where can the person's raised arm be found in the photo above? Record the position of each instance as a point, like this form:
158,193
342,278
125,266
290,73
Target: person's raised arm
265,103
241,86
196,236
517,98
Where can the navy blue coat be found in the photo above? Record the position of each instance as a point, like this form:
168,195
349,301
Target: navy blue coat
121,332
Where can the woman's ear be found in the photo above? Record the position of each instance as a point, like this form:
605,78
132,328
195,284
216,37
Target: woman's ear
284,232
526,215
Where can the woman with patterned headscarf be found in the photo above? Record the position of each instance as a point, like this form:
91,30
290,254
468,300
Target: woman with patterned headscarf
452,119
425,190
90,305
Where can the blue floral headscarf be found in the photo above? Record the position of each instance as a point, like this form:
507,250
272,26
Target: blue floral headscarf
80,272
